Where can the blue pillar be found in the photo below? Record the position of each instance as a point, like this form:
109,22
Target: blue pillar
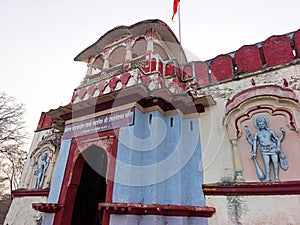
159,162
57,178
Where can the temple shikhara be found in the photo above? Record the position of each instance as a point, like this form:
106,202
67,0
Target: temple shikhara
150,137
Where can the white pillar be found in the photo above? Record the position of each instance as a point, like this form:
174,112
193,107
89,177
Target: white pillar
149,39
128,56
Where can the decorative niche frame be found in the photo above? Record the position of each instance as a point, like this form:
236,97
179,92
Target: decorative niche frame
49,144
281,107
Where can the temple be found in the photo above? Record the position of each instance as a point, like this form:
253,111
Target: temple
152,138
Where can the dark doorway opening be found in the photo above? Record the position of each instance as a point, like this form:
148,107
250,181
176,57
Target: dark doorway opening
92,188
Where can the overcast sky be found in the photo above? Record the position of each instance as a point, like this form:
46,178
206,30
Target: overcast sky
40,38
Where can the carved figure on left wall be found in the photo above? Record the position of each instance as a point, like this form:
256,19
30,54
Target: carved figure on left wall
40,171
269,144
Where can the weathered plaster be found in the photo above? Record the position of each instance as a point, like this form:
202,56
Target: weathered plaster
215,146
255,210
21,211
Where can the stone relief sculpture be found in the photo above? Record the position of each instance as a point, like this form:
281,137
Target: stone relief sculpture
267,141
40,165
40,171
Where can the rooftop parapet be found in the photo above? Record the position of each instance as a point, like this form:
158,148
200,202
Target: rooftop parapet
147,59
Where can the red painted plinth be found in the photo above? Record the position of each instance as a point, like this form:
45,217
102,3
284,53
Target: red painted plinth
253,188
156,209
25,192
47,207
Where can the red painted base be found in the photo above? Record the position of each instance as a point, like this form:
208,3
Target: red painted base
25,192
46,207
156,209
253,188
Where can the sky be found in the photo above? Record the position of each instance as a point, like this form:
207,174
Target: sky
40,38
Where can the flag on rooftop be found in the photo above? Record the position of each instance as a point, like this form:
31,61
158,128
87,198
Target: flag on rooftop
175,7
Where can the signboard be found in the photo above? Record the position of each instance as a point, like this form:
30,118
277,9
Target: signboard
100,123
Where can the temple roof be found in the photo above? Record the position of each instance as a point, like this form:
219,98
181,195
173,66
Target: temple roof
135,30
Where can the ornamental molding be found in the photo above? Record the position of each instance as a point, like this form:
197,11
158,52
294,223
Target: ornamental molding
266,91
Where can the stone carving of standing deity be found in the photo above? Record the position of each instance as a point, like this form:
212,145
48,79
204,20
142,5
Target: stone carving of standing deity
40,171
267,141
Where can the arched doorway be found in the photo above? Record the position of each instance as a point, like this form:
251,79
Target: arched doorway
91,189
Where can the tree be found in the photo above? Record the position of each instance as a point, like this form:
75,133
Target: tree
11,123
12,138
13,166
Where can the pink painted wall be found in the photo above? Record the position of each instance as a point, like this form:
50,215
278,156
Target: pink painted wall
292,150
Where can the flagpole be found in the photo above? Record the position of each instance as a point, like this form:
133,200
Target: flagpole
179,23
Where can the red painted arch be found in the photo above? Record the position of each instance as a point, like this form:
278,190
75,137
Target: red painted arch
74,168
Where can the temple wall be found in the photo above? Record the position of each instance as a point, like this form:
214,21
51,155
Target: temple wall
255,210
273,52
215,144
46,141
219,161
159,220
175,160
21,211
36,139
163,157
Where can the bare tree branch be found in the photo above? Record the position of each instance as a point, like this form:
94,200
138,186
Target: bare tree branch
11,123
12,137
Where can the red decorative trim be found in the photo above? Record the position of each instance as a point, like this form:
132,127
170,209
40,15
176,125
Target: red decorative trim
253,188
74,96
125,78
146,80
139,93
25,192
45,122
92,89
183,104
277,50
156,209
274,90
81,93
113,83
101,86
222,68
46,207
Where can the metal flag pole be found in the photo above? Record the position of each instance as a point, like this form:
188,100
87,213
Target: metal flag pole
179,22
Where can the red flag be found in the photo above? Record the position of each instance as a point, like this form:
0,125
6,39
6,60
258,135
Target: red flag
175,7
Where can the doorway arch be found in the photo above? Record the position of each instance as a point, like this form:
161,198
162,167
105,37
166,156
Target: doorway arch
81,148
92,187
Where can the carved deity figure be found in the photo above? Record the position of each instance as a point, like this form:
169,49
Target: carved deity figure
267,141
40,171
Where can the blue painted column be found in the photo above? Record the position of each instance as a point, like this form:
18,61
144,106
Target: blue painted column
159,162
57,179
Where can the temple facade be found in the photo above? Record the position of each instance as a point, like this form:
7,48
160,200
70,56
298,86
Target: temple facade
152,138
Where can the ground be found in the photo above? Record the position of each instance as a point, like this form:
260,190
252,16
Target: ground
5,202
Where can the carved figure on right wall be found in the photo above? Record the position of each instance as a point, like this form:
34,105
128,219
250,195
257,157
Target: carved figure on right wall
267,141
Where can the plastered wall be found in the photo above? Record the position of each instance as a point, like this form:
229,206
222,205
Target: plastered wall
215,144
